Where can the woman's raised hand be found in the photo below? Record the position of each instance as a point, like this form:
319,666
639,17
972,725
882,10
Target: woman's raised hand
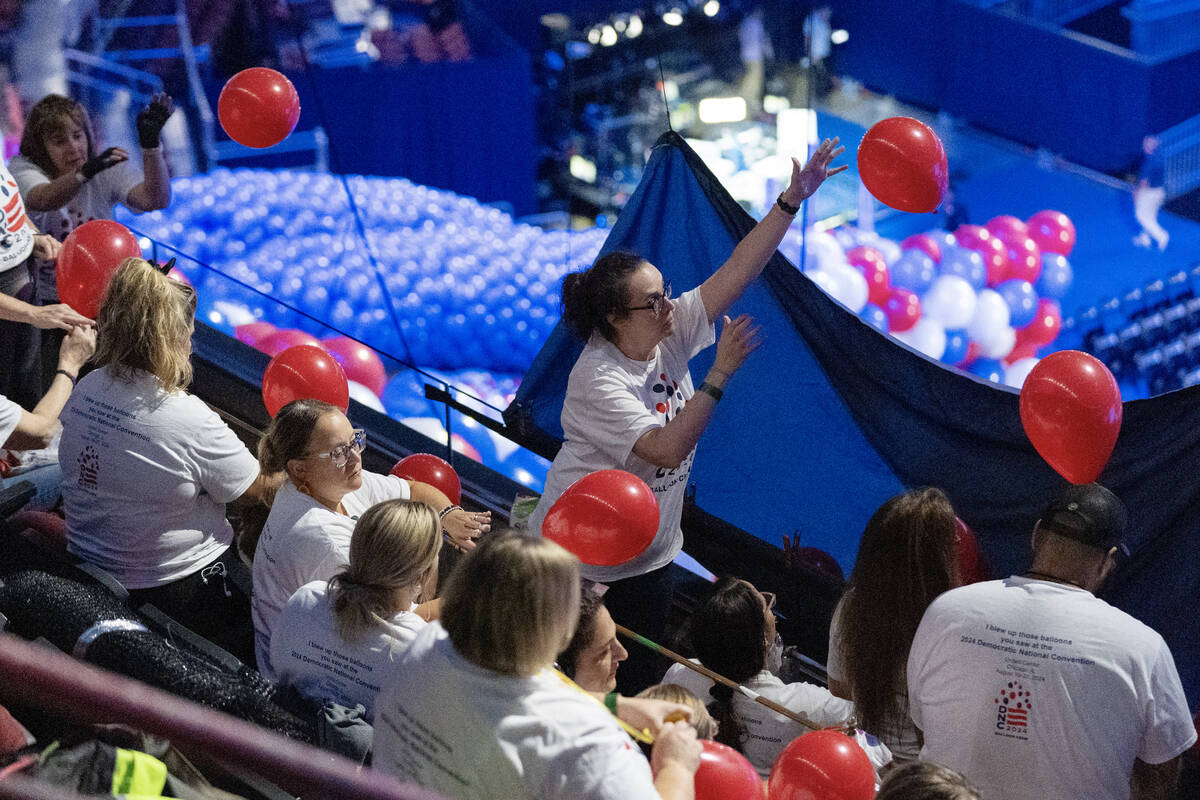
739,338
807,179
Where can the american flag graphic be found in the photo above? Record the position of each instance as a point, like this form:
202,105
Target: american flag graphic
14,209
1013,705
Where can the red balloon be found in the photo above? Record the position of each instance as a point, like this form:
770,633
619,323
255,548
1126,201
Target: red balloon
428,468
902,162
1052,231
605,518
871,263
822,765
926,244
995,257
1006,226
1071,412
1022,349
1045,326
971,568
1024,257
359,361
903,309
973,353
818,560
90,255
275,343
725,774
258,107
253,332
304,372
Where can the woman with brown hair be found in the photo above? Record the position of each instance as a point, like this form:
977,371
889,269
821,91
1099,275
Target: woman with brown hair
905,560
147,467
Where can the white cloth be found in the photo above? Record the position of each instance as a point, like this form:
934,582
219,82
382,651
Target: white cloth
10,417
95,200
1035,689
470,733
303,541
308,654
16,240
767,732
903,740
145,479
611,401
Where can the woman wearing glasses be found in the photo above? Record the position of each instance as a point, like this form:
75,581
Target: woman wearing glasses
733,634
147,468
630,402
307,534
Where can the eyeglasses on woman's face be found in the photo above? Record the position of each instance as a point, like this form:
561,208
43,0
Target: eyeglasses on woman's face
658,302
339,455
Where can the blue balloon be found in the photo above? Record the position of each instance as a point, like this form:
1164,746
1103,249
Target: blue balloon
1022,301
1056,276
404,396
956,346
874,316
991,369
913,270
966,264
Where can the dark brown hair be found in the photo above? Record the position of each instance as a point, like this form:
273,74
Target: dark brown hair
905,560
47,117
591,296
590,602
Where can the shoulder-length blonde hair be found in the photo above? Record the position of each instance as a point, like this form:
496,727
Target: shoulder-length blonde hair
512,604
395,544
145,323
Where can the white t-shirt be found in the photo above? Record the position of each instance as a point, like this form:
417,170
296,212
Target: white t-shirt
10,417
303,541
903,740
95,200
611,401
16,240
145,478
470,733
767,732
1035,689
308,654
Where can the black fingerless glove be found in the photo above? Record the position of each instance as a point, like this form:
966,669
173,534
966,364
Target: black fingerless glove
150,122
100,163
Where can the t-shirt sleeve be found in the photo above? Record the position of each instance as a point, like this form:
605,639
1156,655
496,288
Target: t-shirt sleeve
384,487
27,174
693,331
600,765
817,703
10,417
225,467
120,180
615,416
1167,723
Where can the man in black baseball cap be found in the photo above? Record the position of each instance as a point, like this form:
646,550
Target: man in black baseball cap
1033,687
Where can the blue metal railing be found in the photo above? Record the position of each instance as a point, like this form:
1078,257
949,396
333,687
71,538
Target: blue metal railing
1180,146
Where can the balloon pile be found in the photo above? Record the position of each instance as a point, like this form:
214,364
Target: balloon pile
470,287
984,298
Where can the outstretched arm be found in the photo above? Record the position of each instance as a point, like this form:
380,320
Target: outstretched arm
154,192
746,263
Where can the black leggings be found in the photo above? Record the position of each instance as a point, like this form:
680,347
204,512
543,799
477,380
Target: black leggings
642,604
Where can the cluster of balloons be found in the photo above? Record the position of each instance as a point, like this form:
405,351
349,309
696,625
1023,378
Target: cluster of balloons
469,286
984,298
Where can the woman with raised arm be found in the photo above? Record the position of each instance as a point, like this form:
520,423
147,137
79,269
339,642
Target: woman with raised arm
630,402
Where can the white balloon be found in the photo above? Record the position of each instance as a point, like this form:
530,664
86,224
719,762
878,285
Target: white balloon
991,316
1016,372
854,289
951,301
828,282
365,396
999,343
928,336
823,251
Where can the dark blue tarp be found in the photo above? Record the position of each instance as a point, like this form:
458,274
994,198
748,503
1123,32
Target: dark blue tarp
829,418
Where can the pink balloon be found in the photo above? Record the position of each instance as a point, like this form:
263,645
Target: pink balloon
1052,231
903,309
1006,226
871,263
360,362
995,257
253,332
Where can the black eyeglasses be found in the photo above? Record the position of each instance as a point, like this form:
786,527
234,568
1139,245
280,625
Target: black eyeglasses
657,303
339,455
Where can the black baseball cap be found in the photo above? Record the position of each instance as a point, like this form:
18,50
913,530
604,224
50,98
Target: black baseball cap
1087,513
